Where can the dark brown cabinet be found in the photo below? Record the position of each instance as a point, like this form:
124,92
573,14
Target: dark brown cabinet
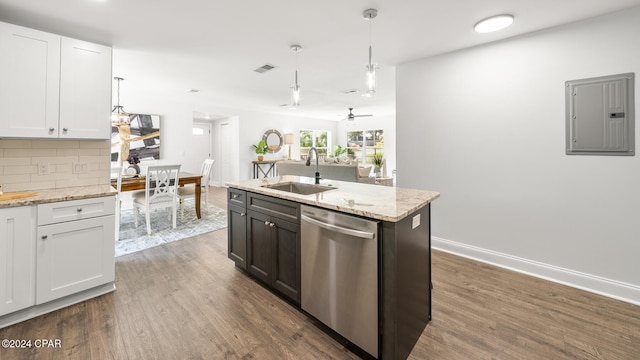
269,249
273,244
237,229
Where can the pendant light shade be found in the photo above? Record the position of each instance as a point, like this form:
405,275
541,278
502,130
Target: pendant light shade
370,68
295,89
118,115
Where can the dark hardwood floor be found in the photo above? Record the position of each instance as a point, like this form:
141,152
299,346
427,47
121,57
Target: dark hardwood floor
185,300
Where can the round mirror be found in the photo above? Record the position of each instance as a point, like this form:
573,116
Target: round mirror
273,139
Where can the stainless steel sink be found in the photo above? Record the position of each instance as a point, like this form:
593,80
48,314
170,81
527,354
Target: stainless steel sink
299,188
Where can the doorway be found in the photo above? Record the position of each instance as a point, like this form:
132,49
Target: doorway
201,145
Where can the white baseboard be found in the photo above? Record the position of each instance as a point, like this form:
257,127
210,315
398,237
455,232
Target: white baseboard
602,286
37,310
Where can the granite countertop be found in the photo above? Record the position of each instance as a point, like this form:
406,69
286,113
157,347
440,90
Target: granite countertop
62,194
373,201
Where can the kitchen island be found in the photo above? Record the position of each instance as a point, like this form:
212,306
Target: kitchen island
267,232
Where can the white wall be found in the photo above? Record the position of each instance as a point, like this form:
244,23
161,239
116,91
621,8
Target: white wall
247,127
486,128
254,124
176,120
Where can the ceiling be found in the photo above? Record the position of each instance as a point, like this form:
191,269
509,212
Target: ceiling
166,48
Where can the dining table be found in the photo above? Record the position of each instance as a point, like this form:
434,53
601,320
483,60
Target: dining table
131,183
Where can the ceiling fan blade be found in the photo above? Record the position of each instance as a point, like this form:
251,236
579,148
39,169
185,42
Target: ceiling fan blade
363,115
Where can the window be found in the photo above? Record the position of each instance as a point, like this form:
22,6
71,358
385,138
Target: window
319,139
365,144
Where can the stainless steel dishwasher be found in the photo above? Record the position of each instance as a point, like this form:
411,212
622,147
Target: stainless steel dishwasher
339,258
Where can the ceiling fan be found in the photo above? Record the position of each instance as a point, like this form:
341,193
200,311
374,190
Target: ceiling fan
351,116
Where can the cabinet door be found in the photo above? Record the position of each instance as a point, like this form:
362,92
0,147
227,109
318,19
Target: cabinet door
74,256
85,90
259,240
17,258
237,236
286,258
30,82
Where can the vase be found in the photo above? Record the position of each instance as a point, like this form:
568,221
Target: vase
135,168
260,157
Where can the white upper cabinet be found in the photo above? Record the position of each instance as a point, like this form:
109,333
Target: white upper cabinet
85,90
30,82
52,86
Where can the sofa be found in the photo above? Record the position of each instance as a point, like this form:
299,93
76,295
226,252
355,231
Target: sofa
328,170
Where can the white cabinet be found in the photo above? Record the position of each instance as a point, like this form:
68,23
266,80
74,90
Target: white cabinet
75,247
17,258
52,86
29,90
85,90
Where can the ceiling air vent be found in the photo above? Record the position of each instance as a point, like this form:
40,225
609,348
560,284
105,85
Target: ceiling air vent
264,68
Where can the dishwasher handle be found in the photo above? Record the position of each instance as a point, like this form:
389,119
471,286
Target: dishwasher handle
339,229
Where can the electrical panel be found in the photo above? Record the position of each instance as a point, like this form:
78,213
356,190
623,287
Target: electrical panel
600,115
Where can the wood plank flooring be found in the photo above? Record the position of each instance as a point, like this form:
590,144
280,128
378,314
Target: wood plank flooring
185,300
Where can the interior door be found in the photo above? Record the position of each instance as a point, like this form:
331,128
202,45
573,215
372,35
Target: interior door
201,146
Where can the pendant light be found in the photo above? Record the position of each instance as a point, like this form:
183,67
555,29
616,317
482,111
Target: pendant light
117,114
295,89
370,89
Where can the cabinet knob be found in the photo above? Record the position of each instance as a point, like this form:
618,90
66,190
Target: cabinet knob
51,129
44,237
272,224
65,129
79,209
242,214
266,223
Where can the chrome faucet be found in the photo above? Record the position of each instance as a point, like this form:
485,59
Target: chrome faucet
317,165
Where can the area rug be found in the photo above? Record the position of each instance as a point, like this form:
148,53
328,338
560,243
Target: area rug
132,238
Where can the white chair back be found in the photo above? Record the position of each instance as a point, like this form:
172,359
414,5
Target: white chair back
161,184
205,171
160,191
116,173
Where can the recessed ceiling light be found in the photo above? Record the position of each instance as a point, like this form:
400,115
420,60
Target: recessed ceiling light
494,23
193,91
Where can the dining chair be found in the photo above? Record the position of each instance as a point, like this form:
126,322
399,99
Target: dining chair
186,192
116,173
160,192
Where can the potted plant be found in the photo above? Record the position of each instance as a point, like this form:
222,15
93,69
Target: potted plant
378,161
339,151
261,149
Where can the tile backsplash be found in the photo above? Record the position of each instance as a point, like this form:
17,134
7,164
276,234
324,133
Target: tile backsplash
51,164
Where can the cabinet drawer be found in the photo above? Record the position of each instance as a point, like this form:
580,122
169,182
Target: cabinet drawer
237,197
283,209
75,210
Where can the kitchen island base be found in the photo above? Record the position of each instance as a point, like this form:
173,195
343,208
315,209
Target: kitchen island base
404,263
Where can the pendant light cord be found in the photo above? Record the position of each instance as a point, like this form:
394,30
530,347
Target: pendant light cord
370,51
296,68
118,97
